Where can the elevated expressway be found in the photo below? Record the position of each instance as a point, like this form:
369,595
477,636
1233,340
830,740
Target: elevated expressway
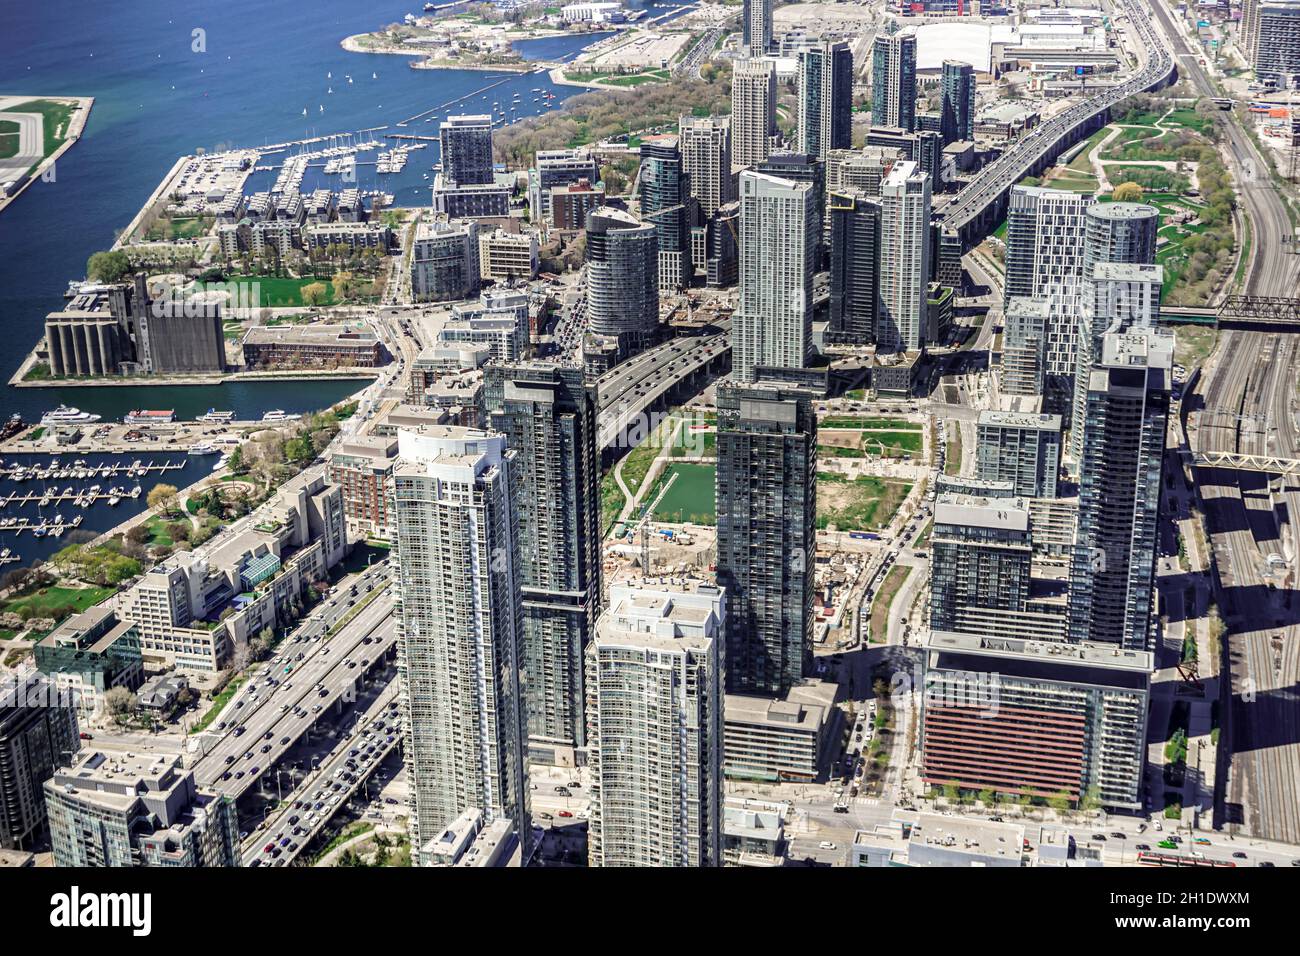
981,204
1248,408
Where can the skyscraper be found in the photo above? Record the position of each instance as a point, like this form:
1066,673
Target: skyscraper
549,419
855,261
957,83
904,258
1045,229
1112,573
667,204
753,111
981,558
456,567
893,80
1119,232
1022,448
706,160
825,98
767,517
655,729
622,284
38,734
466,150
779,226
756,26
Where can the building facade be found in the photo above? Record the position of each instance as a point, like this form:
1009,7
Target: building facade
904,258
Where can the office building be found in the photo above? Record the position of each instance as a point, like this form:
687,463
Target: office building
785,738
825,117
548,417
753,111
779,225
1041,718
706,161
904,258
466,143
981,558
622,282
666,203
767,516
456,568
88,655
756,26
1112,574
558,169
753,832
445,261
854,267
1024,449
654,715
38,734
137,810
506,256
312,346
471,841
957,110
1273,35
893,80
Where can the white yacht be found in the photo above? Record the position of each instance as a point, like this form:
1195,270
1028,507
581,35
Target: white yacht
278,415
65,415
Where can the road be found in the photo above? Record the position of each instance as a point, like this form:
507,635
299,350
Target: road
1249,407
265,719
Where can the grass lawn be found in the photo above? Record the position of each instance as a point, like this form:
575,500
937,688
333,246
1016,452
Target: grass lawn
157,525
952,455
701,443
273,291
850,421
219,704
894,444
46,600
190,227
691,498
611,502
884,599
859,504
56,115
640,458
8,139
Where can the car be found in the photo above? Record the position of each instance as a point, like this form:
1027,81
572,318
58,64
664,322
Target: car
1239,855
565,813
826,845
267,736
1203,841
239,775
253,772
86,736
230,758
1118,835
285,841
294,819
248,755
226,775
1143,847
1267,863
268,848
239,731
266,748
284,741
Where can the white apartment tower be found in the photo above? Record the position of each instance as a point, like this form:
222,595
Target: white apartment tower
753,111
654,729
705,143
458,598
904,258
779,226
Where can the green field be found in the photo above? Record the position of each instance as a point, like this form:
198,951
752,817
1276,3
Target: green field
850,421
57,600
191,227
692,496
272,291
859,504
56,115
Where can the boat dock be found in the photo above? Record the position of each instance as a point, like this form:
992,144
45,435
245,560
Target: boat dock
79,469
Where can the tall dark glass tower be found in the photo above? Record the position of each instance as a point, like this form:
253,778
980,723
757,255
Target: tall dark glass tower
855,267
767,520
666,202
549,419
825,99
957,118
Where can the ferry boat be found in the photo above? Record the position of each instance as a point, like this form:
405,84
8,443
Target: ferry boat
278,415
66,415
146,416
214,417
203,448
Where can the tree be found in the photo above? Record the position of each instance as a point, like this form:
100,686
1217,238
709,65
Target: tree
139,534
314,293
1128,192
121,702
1061,802
108,266
163,498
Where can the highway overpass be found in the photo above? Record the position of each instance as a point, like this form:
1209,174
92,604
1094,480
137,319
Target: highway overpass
981,204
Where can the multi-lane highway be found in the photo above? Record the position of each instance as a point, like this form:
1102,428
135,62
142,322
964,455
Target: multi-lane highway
321,664
987,190
329,787
1249,407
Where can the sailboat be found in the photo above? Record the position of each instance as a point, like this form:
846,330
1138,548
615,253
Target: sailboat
304,111
374,76
322,109
349,77
330,90
329,76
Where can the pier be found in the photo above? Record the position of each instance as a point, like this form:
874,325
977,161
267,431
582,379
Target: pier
78,469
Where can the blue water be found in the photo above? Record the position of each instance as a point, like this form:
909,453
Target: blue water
156,99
